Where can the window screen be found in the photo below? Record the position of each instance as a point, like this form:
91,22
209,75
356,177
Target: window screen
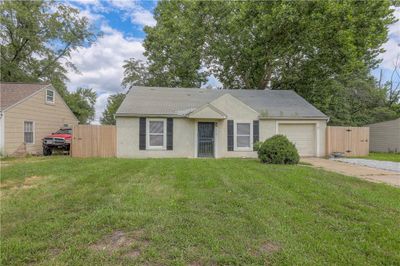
156,133
28,132
243,135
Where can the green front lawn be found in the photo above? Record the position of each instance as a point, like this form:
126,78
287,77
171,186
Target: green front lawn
59,211
383,156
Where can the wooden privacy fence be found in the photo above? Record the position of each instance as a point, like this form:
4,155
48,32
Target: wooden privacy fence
94,141
351,141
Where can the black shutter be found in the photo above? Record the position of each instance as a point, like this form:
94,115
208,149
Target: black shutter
170,134
142,133
256,131
230,135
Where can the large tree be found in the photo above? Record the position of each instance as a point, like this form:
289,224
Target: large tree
248,44
113,103
136,73
37,38
174,46
82,103
324,50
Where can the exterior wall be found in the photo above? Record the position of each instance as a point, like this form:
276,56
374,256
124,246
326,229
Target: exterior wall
238,112
385,136
47,118
128,139
1,133
268,128
185,133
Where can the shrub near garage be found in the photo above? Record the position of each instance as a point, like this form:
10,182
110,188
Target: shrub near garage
278,150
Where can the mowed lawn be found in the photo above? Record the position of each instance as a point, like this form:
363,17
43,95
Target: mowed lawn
59,211
383,156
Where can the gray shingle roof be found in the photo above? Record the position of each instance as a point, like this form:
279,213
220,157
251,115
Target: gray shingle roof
154,101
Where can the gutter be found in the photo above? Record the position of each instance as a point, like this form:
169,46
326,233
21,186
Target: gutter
151,115
294,118
261,117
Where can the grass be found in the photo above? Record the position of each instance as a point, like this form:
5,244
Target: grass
383,156
59,211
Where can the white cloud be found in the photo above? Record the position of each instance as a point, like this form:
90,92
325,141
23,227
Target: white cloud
124,4
137,13
392,50
86,2
392,46
143,17
101,64
92,17
100,105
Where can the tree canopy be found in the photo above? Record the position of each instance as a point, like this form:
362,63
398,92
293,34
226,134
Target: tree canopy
37,38
324,50
113,103
82,103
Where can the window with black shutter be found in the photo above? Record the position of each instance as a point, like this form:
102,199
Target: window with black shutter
170,132
142,133
256,131
230,135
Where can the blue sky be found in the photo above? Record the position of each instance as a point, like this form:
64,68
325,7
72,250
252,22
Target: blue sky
122,22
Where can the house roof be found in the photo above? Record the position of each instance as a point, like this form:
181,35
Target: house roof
180,102
12,92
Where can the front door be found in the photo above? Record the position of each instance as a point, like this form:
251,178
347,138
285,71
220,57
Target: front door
205,136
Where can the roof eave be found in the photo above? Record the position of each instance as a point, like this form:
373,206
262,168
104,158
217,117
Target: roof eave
148,115
294,117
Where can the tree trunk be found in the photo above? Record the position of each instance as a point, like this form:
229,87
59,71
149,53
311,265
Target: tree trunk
265,79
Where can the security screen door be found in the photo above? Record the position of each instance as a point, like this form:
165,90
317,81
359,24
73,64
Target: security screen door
205,136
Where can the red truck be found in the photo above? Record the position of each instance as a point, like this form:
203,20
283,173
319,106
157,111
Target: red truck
60,140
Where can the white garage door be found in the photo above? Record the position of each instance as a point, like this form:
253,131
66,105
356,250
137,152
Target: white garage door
302,135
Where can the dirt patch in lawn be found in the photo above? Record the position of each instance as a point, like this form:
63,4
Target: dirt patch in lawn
196,263
270,247
54,252
267,248
29,182
129,244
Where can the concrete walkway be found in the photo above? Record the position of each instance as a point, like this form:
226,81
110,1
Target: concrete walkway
364,172
384,165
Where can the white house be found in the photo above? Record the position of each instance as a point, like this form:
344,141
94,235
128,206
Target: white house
183,122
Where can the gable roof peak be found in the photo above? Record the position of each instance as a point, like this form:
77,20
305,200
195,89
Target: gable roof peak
14,92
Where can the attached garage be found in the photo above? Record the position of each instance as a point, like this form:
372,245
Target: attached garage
302,135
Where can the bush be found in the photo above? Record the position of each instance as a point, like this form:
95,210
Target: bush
278,150
257,145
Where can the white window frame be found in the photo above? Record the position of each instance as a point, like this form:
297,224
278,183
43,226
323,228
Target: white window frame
33,131
148,146
54,96
236,148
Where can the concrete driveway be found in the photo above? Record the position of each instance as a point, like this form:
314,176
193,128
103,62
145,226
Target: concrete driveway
360,171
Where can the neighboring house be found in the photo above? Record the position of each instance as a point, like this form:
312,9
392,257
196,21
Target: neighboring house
29,112
385,136
177,122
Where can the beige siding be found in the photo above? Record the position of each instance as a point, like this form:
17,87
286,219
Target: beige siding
47,118
385,136
128,139
185,133
238,112
1,134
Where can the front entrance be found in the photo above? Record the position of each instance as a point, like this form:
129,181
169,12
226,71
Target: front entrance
205,136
